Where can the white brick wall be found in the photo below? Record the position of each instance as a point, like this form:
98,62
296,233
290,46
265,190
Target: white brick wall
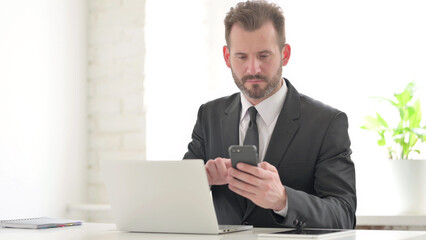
116,116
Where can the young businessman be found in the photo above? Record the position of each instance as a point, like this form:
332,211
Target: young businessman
306,177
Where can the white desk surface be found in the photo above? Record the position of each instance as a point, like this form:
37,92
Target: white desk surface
94,231
392,220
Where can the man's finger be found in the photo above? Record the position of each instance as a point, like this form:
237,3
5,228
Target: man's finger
268,166
227,162
246,186
221,167
212,168
240,191
209,176
245,177
255,171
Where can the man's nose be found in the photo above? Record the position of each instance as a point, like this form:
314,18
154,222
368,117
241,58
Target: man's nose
253,66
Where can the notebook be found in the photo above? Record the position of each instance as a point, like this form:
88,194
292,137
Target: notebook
36,223
162,197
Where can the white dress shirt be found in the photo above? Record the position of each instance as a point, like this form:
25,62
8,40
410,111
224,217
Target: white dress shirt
267,115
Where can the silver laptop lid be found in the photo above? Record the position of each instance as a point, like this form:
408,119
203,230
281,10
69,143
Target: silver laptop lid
160,196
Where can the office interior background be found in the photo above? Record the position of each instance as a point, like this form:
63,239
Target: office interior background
83,81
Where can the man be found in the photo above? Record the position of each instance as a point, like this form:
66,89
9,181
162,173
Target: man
306,177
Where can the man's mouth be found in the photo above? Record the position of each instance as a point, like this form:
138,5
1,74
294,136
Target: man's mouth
253,79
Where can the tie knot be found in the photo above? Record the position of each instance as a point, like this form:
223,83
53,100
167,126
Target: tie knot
252,112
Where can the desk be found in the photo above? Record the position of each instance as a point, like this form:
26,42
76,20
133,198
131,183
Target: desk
102,231
389,222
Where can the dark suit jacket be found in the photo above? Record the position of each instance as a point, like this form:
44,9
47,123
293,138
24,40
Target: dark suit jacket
310,147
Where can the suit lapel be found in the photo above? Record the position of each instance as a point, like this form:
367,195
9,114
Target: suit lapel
286,127
230,125
283,133
230,135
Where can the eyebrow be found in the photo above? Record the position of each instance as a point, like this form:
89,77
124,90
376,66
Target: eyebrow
261,52
265,51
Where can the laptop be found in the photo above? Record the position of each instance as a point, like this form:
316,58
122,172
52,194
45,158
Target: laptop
162,197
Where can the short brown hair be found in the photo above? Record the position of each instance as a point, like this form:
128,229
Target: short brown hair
254,14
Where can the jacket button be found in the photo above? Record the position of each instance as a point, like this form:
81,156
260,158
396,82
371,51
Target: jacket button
296,222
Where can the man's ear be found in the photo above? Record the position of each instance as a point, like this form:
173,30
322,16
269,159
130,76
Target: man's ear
226,56
286,54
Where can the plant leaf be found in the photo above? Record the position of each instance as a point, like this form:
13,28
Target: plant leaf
387,100
371,123
407,132
382,121
420,132
415,114
382,140
406,96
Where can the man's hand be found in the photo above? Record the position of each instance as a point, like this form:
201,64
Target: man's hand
217,171
262,185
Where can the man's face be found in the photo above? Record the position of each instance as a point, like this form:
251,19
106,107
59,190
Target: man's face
256,61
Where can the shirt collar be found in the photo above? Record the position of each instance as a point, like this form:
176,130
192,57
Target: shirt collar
269,108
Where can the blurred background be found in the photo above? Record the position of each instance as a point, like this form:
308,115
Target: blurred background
82,81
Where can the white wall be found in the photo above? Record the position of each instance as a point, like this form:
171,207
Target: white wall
42,107
176,66
116,116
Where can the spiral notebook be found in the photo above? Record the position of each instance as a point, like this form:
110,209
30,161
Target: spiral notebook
37,223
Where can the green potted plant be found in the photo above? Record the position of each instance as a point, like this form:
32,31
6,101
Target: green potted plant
403,142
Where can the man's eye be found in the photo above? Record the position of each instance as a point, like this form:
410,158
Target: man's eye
264,56
242,57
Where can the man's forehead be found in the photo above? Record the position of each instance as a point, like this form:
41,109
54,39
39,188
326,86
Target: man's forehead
261,39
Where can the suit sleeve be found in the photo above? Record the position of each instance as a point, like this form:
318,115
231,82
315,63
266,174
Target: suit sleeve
334,204
196,149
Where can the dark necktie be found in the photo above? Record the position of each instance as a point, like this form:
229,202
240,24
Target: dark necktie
252,134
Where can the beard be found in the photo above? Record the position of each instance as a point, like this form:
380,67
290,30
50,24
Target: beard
256,91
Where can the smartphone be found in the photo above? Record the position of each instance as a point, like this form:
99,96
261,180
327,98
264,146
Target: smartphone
243,153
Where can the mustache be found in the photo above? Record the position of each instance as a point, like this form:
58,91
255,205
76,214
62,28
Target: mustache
257,76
